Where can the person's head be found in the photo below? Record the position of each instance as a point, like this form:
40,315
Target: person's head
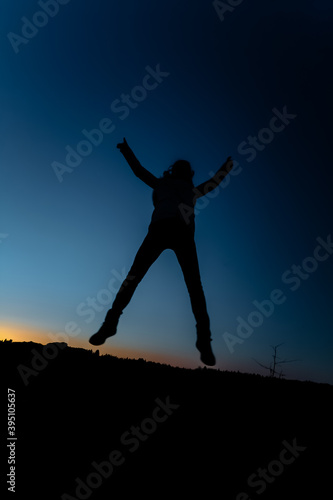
181,169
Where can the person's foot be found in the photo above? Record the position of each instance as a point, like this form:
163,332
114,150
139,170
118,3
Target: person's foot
108,329
205,349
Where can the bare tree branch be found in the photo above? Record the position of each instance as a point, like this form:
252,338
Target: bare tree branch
276,362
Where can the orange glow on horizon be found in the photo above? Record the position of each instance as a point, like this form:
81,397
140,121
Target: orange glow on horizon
22,333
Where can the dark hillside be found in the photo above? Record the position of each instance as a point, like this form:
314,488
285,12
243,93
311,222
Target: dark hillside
92,426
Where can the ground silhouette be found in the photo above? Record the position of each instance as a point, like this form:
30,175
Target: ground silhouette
91,426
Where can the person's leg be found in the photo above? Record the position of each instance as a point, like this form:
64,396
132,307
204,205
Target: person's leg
186,253
187,257
148,252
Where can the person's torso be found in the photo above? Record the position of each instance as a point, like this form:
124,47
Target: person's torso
172,198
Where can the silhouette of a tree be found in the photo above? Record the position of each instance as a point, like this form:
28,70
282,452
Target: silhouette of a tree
275,364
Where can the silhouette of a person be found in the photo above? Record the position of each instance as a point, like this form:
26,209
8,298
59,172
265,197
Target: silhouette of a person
172,226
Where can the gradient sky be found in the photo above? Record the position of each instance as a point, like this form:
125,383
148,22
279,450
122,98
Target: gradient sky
62,242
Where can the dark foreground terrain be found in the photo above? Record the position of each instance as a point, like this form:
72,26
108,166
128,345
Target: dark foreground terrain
90,426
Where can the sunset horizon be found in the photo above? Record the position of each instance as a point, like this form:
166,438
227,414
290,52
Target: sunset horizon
21,333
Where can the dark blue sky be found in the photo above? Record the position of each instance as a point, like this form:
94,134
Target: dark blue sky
221,84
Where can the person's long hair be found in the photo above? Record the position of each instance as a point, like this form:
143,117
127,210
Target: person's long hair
181,169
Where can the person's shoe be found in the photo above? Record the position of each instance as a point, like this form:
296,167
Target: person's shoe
205,349
108,329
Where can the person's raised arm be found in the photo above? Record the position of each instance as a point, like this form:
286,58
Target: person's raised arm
141,172
214,181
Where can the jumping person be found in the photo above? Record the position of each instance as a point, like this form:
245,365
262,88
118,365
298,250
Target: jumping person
172,226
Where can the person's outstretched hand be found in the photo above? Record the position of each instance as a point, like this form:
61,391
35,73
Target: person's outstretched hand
122,145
